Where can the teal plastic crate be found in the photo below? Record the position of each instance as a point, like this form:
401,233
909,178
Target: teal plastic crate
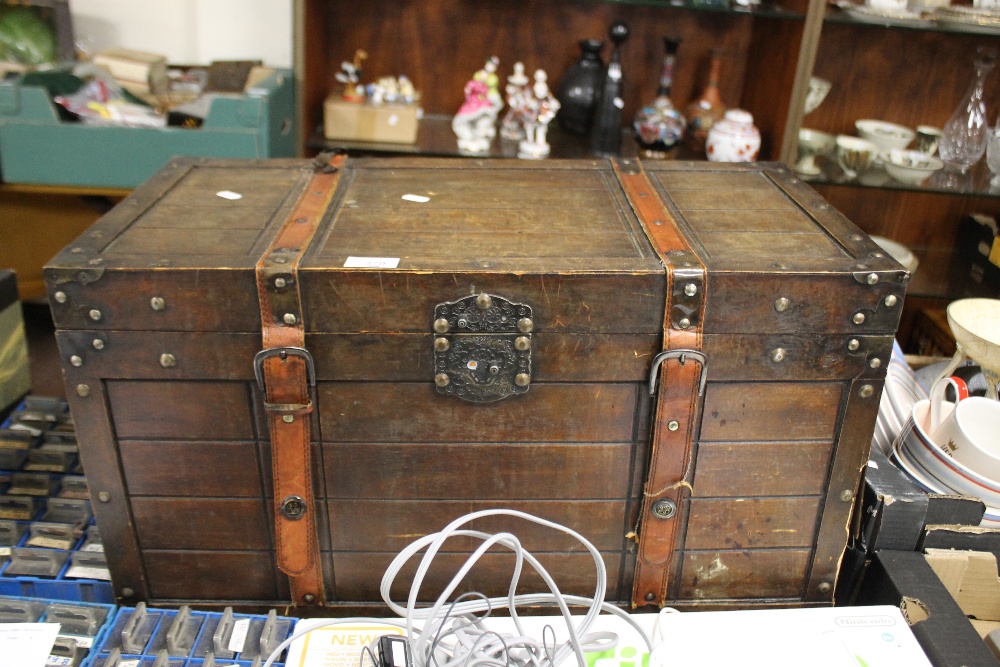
36,147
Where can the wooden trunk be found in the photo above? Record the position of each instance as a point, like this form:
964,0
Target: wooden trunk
159,322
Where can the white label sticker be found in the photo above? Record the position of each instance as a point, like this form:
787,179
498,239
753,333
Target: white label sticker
229,194
95,547
239,636
398,654
84,572
371,263
129,663
4,551
620,103
58,660
81,640
393,120
420,199
872,464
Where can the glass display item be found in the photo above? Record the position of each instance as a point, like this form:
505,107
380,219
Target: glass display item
993,153
963,138
660,127
580,88
606,131
707,109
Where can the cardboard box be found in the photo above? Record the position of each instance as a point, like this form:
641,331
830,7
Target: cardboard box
975,269
904,578
384,123
137,71
15,375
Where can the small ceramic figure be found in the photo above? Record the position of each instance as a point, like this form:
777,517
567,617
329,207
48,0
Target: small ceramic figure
734,138
512,125
407,93
350,74
475,122
541,109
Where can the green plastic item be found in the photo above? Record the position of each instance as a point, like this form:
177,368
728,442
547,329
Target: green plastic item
25,37
38,148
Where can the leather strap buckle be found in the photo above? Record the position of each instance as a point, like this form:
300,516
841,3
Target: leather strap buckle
283,353
682,355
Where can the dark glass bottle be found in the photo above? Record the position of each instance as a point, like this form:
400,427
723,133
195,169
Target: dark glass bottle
580,88
606,132
659,127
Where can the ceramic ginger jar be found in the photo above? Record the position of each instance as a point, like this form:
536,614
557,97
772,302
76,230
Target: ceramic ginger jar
734,138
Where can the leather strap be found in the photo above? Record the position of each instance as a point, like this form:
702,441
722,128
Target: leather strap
681,369
284,370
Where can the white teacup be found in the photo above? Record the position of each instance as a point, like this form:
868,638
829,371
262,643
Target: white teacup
970,433
887,5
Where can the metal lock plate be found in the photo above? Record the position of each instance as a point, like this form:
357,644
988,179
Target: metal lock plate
482,348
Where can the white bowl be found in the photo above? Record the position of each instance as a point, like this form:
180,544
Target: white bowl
898,252
910,167
855,155
818,89
884,135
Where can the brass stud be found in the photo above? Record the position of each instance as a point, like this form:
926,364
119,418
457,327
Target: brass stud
522,379
308,598
872,278
484,301
441,325
280,282
782,304
157,303
442,380
875,362
288,419
441,344
825,587
76,360
684,323
104,497
664,508
525,325
853,345
778,355
673,425
168,360
522,343
98,344
289,319
866,391
127,592
690,289
95,315
859,318
846,495
60,297
650,597
891,300
83,390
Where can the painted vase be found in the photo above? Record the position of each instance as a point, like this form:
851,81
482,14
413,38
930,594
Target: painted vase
734,138
707,110
659,127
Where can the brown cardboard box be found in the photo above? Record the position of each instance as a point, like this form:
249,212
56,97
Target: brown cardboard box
353,121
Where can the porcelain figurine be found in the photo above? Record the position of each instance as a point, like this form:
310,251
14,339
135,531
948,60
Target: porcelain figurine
541,109
512,126
475,122
350,75
734,138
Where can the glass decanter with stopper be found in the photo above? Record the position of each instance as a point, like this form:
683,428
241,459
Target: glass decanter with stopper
963,138
659,127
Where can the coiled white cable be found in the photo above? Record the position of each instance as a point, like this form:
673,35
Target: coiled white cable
452,636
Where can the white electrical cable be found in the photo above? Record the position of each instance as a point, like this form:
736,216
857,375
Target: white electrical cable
452,636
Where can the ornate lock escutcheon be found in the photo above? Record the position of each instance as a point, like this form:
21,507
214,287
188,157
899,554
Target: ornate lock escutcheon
482,348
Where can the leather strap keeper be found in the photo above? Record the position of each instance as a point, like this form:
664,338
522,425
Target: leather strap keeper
682,369
285,372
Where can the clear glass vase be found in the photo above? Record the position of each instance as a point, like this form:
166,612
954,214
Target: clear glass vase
963,140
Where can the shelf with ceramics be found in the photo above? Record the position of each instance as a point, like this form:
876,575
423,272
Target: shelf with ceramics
745,7
956,19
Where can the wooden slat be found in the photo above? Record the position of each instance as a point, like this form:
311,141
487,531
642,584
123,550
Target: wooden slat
805,357
190,468
453,176
761,468
202,523
211,575
707,179
707,575
182,410
373,412
178,217
565,220
261,189
707,222
353,523
764,199
358,575
777,246
475,471
771,411
160,242
751,523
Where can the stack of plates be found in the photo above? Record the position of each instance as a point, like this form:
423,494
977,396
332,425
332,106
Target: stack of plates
937,472
969,19
901,393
